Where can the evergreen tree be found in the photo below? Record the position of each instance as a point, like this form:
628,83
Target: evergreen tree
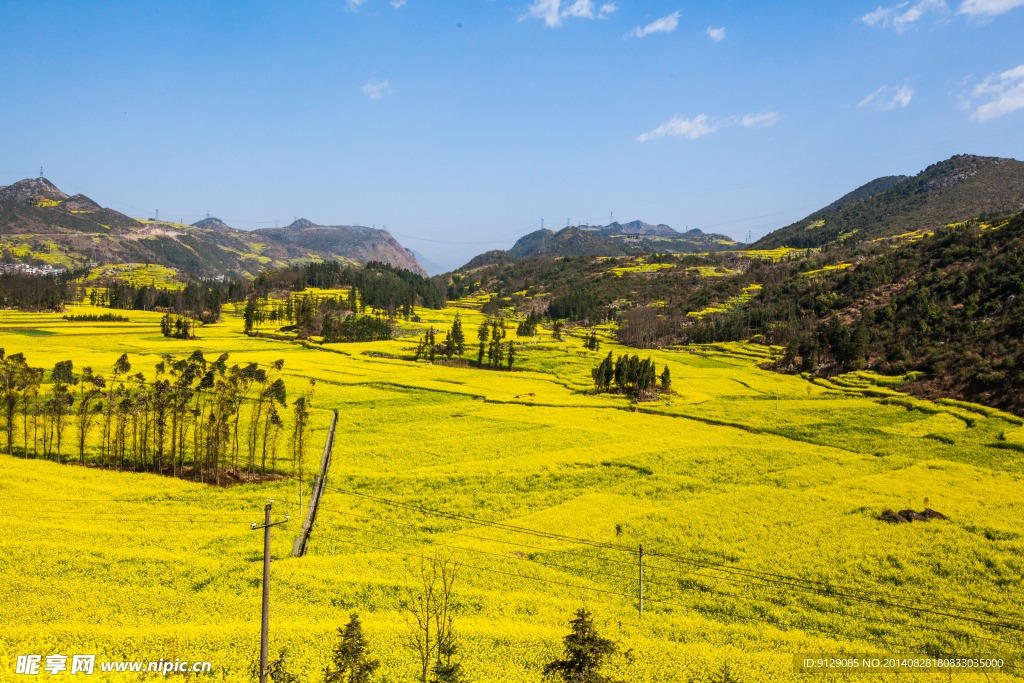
457,336
483,333
511,354
666,380
249,316
604,373
585,653
447,346
349,663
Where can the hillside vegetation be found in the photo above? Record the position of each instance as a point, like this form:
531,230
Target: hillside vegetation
960,188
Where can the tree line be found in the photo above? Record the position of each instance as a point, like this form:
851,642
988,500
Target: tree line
194,417
630,375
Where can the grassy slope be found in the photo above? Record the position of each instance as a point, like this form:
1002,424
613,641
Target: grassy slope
118,564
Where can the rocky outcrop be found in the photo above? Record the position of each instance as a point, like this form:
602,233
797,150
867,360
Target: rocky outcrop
354,242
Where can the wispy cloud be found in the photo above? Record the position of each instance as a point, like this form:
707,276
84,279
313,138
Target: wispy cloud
663,25
901,16
554,14
988,8
716,34
397,3
701,125
889,97
355,3
682,128
1005,93
375,90
763,120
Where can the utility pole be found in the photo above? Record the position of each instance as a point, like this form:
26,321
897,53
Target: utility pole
265,628
641,574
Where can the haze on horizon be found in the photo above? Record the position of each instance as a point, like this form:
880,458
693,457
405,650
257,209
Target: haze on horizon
460,127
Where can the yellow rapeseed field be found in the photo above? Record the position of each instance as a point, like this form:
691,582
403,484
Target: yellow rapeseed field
756,497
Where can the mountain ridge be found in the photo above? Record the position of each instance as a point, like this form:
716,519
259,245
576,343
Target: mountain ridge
39,223
957,189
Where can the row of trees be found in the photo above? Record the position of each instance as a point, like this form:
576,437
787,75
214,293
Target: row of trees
31,292
491,333
381,285
177,327
193,418
630,375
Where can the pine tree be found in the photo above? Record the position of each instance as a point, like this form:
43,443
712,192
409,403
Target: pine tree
511,354
604,373
349,663
483,333
666,380
585,653
458,337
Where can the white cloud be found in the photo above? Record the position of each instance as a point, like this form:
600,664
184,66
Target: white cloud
683,128
701,125
663,25
546,10
1005,92
375,90
902,15
397,3
553,13
889,97
355,3
764,120
988,8
716,34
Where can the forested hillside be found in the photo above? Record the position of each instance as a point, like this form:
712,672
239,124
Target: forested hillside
955,190
947,305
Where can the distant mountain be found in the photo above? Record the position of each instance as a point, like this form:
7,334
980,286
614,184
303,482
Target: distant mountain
960,188
351,242
41,224
632,228
428,265
212,223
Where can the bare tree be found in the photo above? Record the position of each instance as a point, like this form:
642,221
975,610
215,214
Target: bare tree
428,611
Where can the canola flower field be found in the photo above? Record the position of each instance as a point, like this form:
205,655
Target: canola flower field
756,497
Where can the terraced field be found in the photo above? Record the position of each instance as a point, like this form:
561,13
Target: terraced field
756,496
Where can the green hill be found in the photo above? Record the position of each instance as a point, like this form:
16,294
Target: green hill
955,190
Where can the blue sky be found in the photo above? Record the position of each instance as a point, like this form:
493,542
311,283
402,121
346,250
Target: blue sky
460,125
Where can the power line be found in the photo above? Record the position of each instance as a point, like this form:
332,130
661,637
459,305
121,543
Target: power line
804,585
666,602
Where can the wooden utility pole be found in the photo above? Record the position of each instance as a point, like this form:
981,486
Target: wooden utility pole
318,490
641,579
265,627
